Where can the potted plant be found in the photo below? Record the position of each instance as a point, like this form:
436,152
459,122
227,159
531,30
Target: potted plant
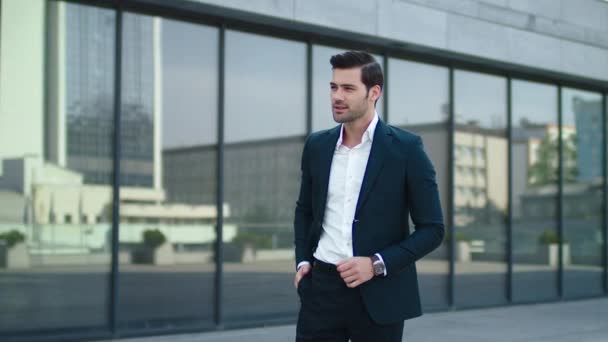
13,251
154,249
550,242
244,246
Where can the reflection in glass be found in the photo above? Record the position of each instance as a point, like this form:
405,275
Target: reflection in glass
265,128
581,153
168,173
263,102
321,103
480,188
55,195
419,103
534,169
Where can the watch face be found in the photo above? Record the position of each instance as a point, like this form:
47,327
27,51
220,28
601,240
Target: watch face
378,268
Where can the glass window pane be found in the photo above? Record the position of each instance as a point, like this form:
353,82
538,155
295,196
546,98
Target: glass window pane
419,93
534,169
56,193
264,98
582,210
418,102
168,173
481,189
322,117
265,128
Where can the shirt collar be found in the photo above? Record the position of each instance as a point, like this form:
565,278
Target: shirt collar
369,132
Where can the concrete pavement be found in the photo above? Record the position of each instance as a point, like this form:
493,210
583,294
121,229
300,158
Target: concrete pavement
572,321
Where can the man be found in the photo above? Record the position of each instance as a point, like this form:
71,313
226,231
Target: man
355,256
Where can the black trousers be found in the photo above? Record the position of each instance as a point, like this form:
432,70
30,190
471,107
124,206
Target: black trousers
331,312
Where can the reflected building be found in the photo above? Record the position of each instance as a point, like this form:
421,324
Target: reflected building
62,190
535,164
588,119
535,160
80,113
64,215
474,199
261,174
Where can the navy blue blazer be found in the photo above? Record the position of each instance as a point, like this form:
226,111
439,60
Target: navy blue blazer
399,180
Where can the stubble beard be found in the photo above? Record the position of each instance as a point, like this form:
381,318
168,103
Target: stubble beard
352,114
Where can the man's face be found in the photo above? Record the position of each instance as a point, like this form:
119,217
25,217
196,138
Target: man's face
350,99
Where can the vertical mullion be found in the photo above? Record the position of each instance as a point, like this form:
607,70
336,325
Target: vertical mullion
385,87
46,77
605,188
114,281
560,201
450,204
309,87
509,192
219,247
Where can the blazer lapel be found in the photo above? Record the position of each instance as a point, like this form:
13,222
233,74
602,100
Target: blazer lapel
325,159
374,163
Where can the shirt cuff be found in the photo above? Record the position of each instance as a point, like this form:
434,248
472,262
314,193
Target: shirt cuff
379,257
302,263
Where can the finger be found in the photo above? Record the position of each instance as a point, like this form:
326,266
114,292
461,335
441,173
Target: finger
350,279
347,273
353,284
344,265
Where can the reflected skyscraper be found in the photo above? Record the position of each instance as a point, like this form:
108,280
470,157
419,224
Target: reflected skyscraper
80,95
588,119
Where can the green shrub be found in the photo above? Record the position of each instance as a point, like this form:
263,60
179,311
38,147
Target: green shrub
548,237
257,240
460,236
153,238
12,237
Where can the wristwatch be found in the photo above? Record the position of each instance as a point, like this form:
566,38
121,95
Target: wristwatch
377,265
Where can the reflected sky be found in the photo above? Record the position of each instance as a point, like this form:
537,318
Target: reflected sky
480,98
265,87
418,93
189,84
535,102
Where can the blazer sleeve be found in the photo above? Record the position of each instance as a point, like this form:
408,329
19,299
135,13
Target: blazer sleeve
303,213
425,210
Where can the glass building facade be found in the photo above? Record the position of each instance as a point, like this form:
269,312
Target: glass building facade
150,164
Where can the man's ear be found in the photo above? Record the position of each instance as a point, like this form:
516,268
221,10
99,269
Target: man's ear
376,92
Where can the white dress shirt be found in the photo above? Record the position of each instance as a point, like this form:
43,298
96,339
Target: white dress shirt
346,176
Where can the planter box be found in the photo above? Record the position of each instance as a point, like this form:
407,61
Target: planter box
463,251
15,257
161,255
275,254
552,251
239,253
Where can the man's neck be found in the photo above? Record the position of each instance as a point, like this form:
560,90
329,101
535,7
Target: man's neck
353,131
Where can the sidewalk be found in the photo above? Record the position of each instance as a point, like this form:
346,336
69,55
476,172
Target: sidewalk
574,321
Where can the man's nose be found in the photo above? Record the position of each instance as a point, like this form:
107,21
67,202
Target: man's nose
337,95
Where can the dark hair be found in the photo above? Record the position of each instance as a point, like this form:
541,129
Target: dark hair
371,72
